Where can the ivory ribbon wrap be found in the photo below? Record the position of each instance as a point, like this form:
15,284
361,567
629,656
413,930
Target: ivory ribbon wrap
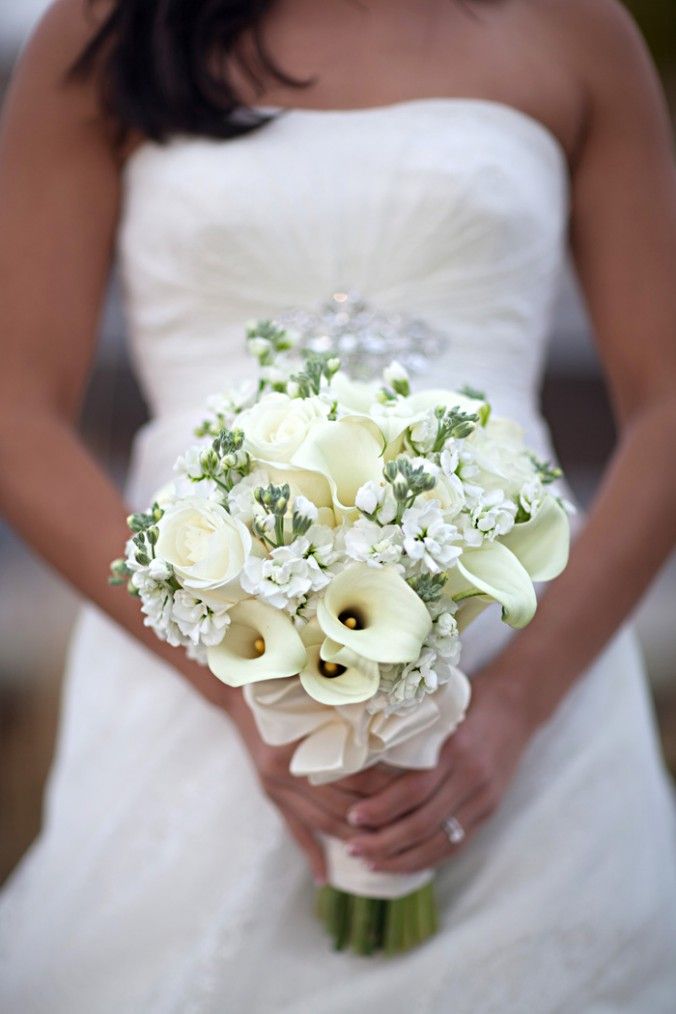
348,873
334,742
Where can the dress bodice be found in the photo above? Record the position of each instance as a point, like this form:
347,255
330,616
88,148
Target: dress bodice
453,211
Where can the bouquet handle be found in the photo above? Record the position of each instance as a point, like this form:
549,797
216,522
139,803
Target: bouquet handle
367,911
351,874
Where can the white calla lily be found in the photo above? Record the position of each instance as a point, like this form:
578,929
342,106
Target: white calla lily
353,395
348,452
375,613
494,572
261,643
336,675
541,544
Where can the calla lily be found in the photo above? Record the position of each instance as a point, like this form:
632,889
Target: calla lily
390,621
356,679
495,573
348,452
354,395
541,544
261,643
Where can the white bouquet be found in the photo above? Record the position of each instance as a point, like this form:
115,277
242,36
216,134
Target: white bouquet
323,546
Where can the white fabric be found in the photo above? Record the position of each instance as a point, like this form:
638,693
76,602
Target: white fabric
163,881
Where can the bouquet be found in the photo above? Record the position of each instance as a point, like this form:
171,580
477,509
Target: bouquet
323,546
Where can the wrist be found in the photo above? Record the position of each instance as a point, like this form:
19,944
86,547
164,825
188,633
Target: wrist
525,690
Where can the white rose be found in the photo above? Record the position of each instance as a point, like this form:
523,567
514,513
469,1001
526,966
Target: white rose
277,426
499,453
205,545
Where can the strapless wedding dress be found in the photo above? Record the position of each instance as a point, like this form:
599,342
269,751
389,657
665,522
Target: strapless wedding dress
163,881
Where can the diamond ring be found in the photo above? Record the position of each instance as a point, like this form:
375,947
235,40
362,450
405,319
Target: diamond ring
454,830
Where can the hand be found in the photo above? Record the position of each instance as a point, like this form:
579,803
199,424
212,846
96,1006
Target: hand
475,766
308,810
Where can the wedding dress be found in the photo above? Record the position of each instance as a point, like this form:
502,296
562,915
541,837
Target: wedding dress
163,881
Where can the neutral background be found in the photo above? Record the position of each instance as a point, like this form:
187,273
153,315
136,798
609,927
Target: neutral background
37,609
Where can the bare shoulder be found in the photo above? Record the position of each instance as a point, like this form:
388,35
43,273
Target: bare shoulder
602,44
40,88
66,27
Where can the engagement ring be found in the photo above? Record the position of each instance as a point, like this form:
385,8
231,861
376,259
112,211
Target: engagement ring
455,832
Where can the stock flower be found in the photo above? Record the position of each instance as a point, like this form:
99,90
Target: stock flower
285,576
196,621
205,545
375,613
494,514
428,539
374,544
261,643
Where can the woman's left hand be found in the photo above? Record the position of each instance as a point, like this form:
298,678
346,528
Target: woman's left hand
402,822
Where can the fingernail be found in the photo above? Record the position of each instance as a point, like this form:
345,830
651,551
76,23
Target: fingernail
354,850
355,818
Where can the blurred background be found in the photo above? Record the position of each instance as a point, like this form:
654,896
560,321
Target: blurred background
32,655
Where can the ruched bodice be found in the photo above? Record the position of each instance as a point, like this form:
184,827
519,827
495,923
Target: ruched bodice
451,210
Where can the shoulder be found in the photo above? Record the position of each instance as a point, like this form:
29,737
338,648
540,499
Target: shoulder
42,92
605,55
65,29
600,39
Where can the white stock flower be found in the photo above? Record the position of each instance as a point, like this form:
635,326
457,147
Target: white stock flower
196,621
286,576
495,514
424,431
444,638
276,427
428,539
531,496
304,508
203,543
159,570
322,546
375,498
374,544
190,463
241,503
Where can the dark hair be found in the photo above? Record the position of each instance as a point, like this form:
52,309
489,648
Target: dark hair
154,64
160,65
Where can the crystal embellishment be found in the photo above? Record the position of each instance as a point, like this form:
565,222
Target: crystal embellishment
365,339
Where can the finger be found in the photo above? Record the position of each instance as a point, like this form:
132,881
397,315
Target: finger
401,796
309,845
333,800
416,826
310,814
373,780
438,848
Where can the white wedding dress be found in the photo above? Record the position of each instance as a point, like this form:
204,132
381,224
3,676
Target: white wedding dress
163,881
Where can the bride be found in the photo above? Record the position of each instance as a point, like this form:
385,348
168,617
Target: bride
242,160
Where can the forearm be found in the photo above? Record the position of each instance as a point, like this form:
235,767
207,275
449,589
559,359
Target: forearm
628,535
62,503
